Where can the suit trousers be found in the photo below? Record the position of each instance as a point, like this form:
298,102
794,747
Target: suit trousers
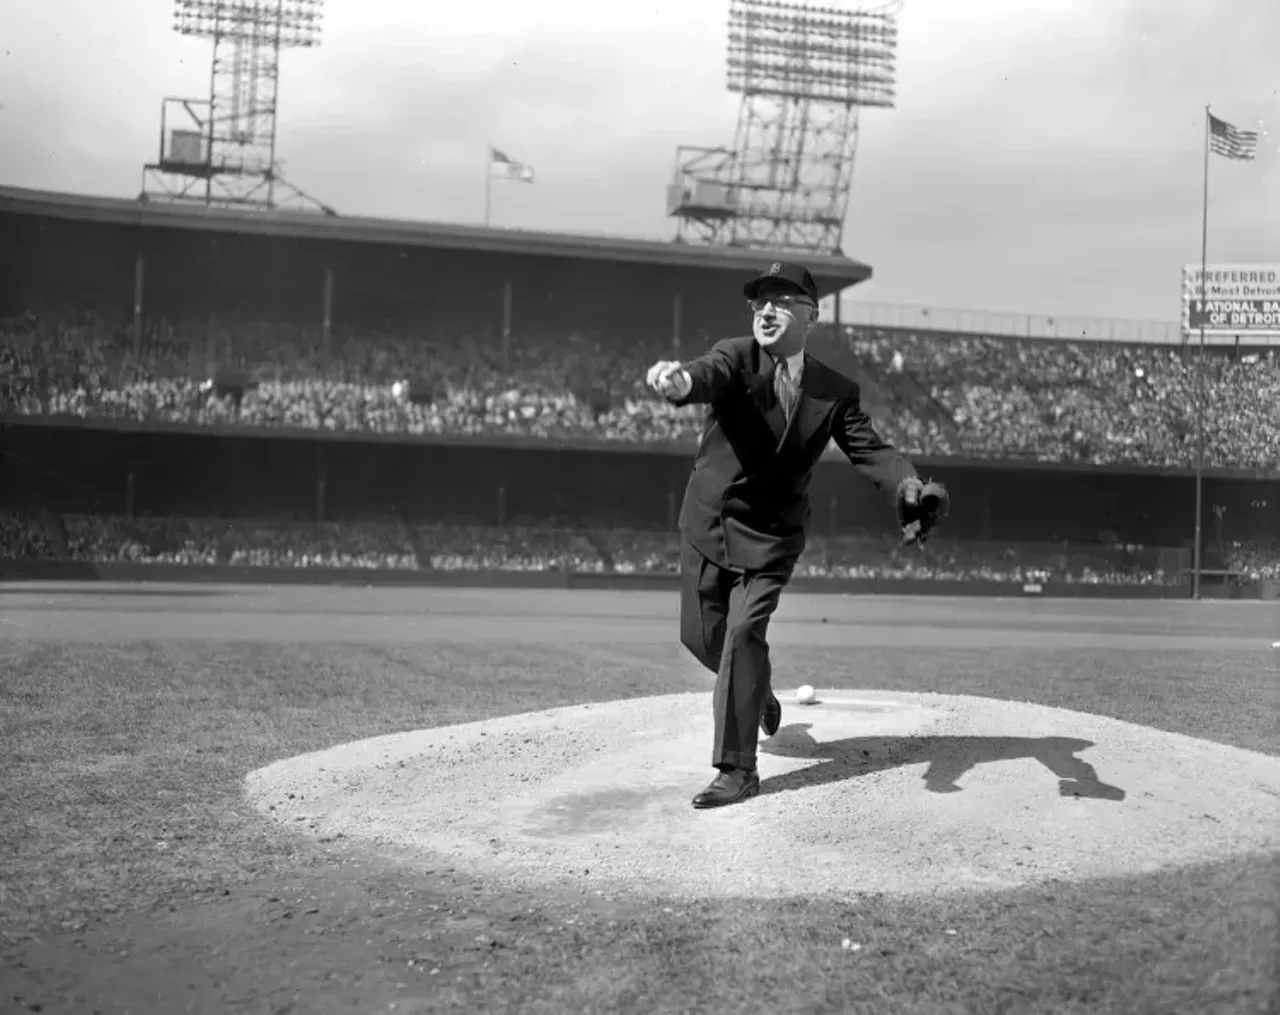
724,621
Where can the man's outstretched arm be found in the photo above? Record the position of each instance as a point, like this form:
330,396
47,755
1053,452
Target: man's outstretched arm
700,380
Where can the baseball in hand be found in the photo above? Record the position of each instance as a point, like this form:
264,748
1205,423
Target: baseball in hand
669,379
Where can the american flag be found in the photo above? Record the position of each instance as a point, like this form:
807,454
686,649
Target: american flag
505,168
1231,142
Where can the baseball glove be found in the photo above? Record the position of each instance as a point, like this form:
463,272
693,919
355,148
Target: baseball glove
921,505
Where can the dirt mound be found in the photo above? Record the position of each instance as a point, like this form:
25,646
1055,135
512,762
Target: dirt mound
863,791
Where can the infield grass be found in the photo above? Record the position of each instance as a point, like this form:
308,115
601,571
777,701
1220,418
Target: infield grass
134,879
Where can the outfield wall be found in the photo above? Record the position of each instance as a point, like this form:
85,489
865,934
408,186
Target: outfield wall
66,570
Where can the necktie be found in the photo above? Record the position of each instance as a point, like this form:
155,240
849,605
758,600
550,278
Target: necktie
784,387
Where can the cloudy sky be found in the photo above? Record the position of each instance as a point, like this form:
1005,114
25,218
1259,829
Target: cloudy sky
1045,156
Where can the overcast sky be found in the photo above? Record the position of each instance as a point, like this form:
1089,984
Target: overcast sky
1045,156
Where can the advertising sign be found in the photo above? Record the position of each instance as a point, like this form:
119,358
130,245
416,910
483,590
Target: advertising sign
1239,300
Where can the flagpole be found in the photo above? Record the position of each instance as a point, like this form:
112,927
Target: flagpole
1204,258
488,184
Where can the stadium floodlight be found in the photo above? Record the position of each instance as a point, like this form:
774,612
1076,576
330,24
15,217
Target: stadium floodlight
286,22
804,73
223,152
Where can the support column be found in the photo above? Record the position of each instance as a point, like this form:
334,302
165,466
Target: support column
506,321
322,475
327,319
137,306
677,309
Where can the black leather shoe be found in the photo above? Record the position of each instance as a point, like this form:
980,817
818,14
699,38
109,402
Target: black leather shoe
771,717
729,787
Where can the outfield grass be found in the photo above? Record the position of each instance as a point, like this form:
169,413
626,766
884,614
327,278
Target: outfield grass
134,878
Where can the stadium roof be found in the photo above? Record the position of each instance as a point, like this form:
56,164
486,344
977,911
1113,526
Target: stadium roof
831,273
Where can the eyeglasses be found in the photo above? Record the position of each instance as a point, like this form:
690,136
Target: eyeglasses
784,301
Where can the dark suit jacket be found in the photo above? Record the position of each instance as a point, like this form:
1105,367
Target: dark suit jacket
746,506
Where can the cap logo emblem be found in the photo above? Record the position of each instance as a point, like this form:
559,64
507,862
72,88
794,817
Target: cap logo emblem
775,268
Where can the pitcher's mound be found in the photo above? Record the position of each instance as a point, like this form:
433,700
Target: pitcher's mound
863,791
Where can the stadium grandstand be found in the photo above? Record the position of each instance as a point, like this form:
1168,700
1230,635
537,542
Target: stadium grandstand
201,386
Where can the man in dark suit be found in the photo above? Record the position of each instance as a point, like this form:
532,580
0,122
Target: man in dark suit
772,411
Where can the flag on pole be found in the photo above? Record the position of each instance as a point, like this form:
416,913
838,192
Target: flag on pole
1231,142
504,168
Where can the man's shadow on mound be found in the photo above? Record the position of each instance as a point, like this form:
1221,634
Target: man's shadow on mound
949,758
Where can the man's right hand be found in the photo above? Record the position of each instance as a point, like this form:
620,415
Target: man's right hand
669,379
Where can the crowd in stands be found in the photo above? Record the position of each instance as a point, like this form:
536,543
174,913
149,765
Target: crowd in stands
371,380
1095,402
1254,559
936,393
25,538
380,545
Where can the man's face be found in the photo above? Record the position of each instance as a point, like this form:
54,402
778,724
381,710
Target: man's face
780,316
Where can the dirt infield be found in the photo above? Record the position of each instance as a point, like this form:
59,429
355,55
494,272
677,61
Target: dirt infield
119,612
909,793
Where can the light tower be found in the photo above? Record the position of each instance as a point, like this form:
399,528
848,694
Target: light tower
804,74
221,151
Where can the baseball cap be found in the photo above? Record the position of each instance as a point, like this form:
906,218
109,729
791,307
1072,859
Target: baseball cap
793,275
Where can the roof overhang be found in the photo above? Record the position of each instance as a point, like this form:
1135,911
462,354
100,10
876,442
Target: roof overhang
831,273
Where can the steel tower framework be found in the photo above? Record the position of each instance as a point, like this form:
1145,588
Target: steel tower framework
221,151
804,74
